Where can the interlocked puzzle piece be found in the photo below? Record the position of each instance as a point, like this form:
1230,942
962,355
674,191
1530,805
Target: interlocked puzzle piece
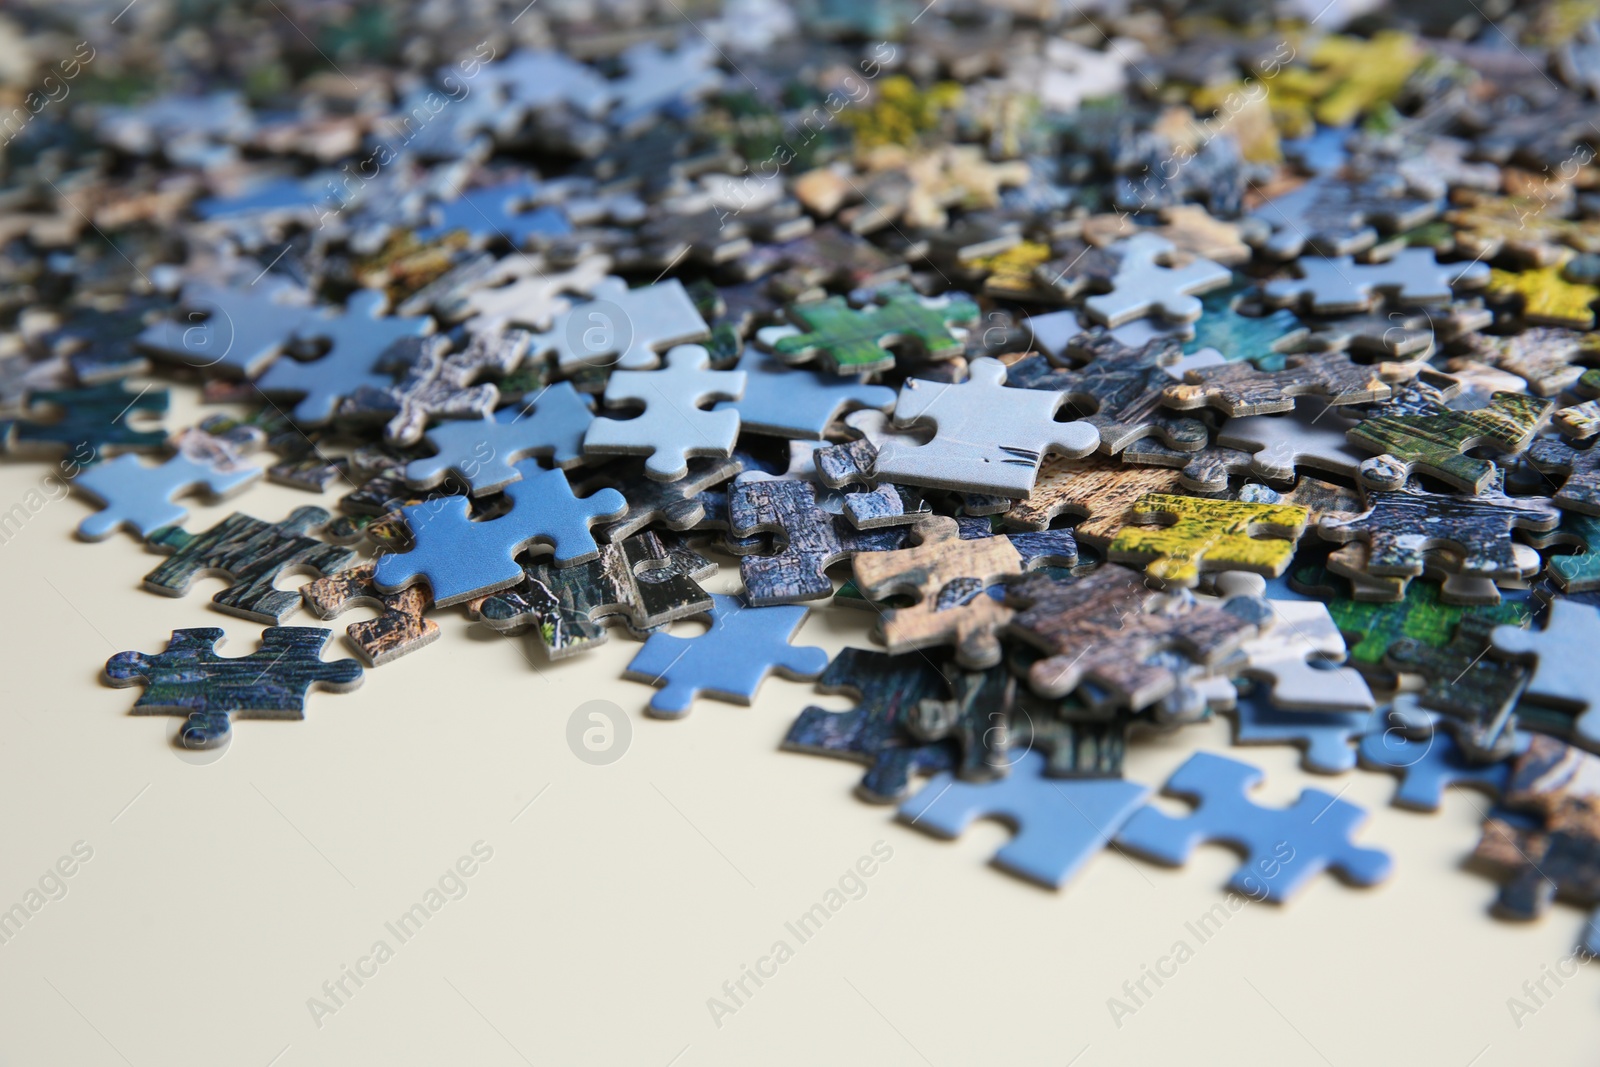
462,559
1197,534
786,401
987,439
1060,823
1311,436
189,678
1240,389
357,337
621,327
638,579
1099,488
848,340
1104,627
949,576
887,689
140,498
253,555
1580,491
1562,677
92,421
1335,217
728,661
1284,848
1324,737
1560,858
812,540
1341,285
1546,297
1426,766
399,628
236,332
485,453
1142,284
1117,391
1434,440
1401,526
675,427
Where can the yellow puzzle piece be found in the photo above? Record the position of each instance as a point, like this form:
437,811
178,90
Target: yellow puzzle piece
1547,298
1196,533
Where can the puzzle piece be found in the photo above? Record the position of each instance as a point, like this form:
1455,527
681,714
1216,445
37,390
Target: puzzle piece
1428,438
1580,491
1546,297
1578,572
462,559
1102,490
495,213
1261,339
658,81
796,402
1283,848
728,661
189,678
812,540
849,340
638,579
675,427
987,439
1299,654
1562,678
1335,217
1341,285
436,385
621,327
1239,389
1544,357
235,332
357,337
485,453
399,628
1323,737
1428,766
1060,823
139,498
1117,391
1196,534
1523,228
1312,436
950,577
1142,285
92,421
1104,627
1479,527
679,505
253,555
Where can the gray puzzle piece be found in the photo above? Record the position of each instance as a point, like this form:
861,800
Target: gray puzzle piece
232,331
623,328
786,401
1142,285
437,385
1563,657
1312,435
1341,285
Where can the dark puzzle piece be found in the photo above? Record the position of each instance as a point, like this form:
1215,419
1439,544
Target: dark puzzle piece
88,422
810,540
399,628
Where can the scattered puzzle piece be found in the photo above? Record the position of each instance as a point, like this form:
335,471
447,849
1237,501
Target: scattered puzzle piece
485,452
675,426
849,340
1428,766
1433,440
1402,525
139,498
1341,285
796,402
1562,676
1546,297
812,540
1195,534
399,628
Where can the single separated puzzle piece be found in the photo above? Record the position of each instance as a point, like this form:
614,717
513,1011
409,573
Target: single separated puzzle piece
189,678
987,439
462,559
140,498
728,661
253,554
675,427
1060,823
1283,847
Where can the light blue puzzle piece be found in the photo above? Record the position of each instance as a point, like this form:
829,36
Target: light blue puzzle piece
358,335
1563,662
1323,736
728,661
674,427
484,452
796,402
491,213
1283,847
1060,822
233,331
461,559
264,198
1426,766
140,498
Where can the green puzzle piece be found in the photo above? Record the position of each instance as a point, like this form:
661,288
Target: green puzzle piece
851,340
1421,616
1433,442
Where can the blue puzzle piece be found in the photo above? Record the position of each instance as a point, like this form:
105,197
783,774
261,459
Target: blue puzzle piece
1324,736
357,336
1060,822
462,559
728,661
1426,766
491,213
1283,847
236,331
484,452
797,402
140,497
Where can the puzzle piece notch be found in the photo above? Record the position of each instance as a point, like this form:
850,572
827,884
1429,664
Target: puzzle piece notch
1324,737
622,328
729,661
1479,527
230,331
1239,389
1315,831
1342,286
1425,766
1435,440
811,540
189,678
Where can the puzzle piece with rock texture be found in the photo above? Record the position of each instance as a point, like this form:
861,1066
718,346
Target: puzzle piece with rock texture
1239,389
810,540
400,626
1434,440
1403,525
1580,491
1283,848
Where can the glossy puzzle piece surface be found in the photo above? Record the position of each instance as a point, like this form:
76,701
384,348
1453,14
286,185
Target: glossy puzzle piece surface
1435,441
1401,526
850,340
810,540
485,452
140,498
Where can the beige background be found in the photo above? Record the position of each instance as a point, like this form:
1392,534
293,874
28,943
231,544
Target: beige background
220,897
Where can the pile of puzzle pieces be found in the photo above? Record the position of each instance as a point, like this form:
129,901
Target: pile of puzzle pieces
1116,372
